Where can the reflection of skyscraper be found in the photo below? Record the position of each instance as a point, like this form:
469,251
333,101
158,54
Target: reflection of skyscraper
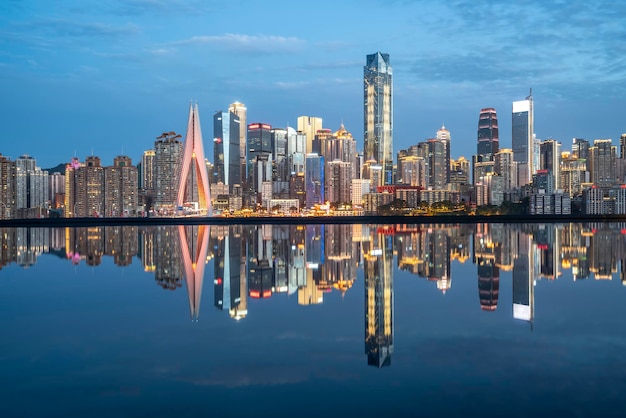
339,270
488,272
193,185
164,241
260,252
378,274
121,243
194,244
523,286
378,112
603,249
227,262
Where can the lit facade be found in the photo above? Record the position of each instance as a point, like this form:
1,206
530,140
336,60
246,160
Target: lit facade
314,180
338,181
602,163
84,188
488,136
443,135
193,185
378,112
241,111
505,166
309,125
550,159
120,188
147,170
7,188
226,149
31,184
259,155
522,138
168,151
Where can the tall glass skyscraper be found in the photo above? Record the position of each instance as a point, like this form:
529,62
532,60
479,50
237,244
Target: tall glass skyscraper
226,136
488,139
522,138
378,112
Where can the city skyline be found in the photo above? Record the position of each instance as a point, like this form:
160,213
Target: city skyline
77,69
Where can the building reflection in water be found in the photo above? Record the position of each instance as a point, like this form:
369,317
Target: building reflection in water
486,266
313,260
523,283
378,275
194,245
230,285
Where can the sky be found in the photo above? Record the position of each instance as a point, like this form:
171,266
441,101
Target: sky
105,78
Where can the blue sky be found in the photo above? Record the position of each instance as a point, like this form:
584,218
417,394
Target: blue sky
107,77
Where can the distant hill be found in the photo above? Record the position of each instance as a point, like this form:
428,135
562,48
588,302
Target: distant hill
56,169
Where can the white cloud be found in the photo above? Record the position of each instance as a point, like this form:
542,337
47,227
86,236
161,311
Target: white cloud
246,43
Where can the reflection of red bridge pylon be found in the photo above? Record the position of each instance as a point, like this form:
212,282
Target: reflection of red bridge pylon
194,251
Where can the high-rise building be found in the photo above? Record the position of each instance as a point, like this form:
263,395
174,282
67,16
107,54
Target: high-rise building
147,170
56,190
580,148
338,181
31,185
602,163
84,188
309,126
522,138
378,112
460,171
226,149
241,111
550,159
120,188
488,137
314,180
437,167
259,161
341,146
412,171
296,150
281,163
443,135
573,174
7,188
168,151
505,166
193,185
